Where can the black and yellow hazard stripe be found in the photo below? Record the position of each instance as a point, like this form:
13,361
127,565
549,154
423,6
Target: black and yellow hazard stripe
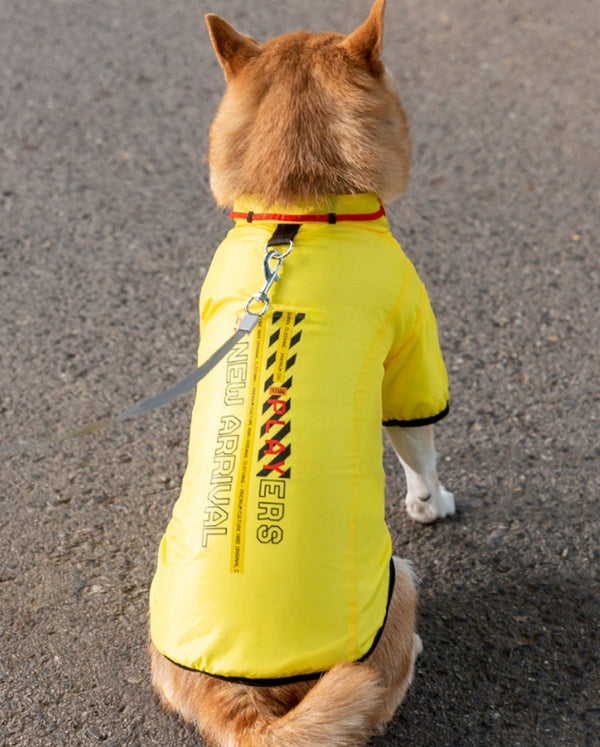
284,336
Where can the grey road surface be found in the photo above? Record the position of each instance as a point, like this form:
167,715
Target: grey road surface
107,227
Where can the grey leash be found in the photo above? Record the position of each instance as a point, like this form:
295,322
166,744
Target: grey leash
168,395
256,306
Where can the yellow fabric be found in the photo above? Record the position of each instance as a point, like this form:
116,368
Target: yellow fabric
276,560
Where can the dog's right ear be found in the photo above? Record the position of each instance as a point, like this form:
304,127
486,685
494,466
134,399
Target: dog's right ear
233,50
365,43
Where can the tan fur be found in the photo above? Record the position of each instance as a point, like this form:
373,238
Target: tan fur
305,116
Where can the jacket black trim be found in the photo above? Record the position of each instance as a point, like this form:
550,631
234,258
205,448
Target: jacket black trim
419,421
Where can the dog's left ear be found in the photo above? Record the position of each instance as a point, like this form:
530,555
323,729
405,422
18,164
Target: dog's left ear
233,49
365,43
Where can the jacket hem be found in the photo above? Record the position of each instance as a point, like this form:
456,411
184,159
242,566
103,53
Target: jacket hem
253,681
276,681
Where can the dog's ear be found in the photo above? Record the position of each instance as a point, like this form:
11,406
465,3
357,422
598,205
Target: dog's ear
233,49
365,43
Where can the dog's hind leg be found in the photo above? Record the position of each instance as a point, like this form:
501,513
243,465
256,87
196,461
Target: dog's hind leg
426,499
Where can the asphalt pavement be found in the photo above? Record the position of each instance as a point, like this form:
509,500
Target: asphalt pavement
107,226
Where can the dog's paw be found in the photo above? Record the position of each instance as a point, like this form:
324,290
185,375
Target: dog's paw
431,507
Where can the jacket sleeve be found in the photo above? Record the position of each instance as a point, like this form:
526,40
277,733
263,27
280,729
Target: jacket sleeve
415,384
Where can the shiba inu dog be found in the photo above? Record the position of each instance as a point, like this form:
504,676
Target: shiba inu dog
278,615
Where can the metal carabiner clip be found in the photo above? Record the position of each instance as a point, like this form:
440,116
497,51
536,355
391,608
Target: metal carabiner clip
271,272
271,276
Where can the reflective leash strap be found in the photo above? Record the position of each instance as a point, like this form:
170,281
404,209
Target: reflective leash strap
168,395
256,306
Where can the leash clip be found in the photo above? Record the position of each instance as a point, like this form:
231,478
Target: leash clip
271,275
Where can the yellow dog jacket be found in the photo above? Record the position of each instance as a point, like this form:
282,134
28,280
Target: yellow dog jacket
276,562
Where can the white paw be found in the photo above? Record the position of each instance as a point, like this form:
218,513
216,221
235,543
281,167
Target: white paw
435,506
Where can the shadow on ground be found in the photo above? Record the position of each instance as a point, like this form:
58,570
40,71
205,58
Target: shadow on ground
518,658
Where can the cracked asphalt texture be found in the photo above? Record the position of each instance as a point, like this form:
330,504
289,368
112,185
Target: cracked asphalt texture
107,227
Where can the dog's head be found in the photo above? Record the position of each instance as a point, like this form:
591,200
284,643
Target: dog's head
306,116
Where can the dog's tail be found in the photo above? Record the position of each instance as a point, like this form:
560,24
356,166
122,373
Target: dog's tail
342,710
